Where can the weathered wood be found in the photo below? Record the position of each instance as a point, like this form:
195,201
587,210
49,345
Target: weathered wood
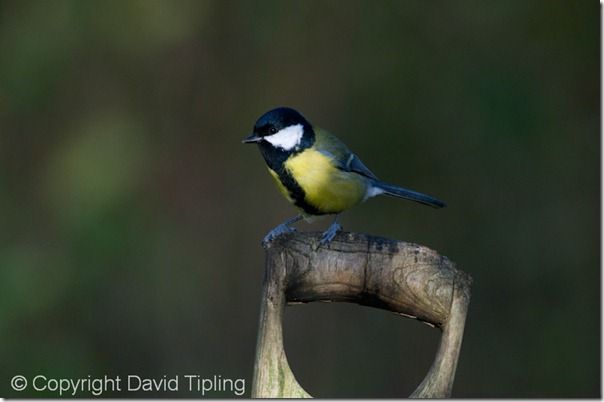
405,278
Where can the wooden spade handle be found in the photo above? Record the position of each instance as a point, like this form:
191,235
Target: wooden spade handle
405,278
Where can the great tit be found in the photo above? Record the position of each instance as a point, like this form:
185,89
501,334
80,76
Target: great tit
316,172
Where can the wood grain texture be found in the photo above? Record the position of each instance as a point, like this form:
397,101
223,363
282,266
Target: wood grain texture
401,277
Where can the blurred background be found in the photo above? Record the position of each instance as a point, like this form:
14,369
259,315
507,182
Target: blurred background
132,215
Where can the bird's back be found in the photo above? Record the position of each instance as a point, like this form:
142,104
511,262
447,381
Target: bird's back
329,143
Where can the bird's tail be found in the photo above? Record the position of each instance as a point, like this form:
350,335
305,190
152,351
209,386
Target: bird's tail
379,187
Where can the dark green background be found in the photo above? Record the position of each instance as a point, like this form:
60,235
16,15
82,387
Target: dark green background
131,214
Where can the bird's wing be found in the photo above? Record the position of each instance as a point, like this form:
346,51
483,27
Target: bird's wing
356,165
331,145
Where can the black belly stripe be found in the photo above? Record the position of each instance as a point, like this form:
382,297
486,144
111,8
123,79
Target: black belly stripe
275,160
296,192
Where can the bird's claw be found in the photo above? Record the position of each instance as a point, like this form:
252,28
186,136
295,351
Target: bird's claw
276,232
330,233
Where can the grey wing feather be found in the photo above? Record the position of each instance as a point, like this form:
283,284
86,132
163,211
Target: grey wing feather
355,165
351,164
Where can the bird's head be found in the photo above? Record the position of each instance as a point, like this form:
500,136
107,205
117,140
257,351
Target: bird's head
282,128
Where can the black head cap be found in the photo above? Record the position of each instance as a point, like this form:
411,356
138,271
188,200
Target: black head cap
274,120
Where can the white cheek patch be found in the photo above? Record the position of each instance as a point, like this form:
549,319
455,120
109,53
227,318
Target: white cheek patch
287,138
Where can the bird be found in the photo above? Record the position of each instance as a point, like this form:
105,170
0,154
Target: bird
315,171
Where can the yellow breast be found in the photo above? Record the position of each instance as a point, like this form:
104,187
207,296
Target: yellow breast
326,187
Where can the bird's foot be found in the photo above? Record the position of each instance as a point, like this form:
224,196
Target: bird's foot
276,232
330,233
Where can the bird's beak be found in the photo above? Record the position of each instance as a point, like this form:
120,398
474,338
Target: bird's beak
251,139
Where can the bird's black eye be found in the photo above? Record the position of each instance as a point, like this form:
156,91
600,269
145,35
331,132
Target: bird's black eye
272,130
